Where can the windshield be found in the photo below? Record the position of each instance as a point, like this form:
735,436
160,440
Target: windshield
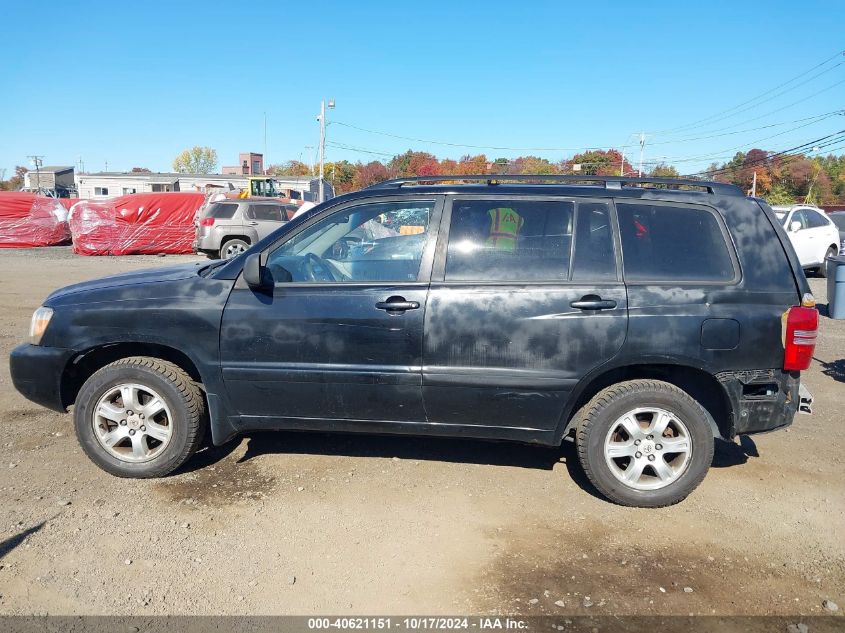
838,220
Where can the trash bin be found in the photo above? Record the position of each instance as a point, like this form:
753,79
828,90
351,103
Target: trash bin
836,287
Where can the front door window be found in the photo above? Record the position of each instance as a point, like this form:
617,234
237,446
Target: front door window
378,241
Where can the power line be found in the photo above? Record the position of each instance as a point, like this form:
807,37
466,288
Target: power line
781,109
768,92
815,119
744,145
821,142
358,149
469,146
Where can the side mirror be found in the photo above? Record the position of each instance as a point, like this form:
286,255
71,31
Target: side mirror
794,226
256,276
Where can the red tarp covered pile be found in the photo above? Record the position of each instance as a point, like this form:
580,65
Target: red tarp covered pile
67,203
140,223
30,220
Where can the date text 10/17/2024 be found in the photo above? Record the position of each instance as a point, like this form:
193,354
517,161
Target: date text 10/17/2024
418,623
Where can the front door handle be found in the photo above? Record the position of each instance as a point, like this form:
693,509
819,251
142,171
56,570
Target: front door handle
593,302
253,223
397,304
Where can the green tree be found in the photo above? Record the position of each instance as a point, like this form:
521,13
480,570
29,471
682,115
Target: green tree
779,194
290,168
597,162
197,160
342,175
662,170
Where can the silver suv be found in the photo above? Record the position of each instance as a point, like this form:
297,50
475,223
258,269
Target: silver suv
229,227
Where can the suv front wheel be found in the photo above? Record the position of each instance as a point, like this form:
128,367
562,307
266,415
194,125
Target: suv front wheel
140,417
644,443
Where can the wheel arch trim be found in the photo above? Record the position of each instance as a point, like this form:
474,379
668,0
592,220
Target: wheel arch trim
656,368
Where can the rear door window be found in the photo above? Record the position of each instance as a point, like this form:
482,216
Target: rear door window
814,219
509,239
668,243
269,212
595,259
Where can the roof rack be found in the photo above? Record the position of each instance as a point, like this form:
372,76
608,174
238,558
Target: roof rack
608,182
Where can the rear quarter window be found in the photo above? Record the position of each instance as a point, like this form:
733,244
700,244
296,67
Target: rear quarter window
222,210
669,243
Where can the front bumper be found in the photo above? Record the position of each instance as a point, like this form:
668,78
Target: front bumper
37,373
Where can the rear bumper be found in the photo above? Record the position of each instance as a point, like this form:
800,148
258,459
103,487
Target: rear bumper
762,400
37,373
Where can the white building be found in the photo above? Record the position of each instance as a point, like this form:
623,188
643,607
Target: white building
112,184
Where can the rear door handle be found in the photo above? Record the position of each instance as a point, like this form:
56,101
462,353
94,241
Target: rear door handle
593,303
397,304
253,223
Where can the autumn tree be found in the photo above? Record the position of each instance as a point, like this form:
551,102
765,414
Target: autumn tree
342,175
598,162
531,165
197,160
15,182
662,170
369,174
413,163
141,170
290,168
469,165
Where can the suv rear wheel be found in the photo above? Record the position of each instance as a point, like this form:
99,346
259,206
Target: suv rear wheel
140,417
644,443
233,248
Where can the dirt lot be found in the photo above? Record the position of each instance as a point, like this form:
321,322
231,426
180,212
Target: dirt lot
313,523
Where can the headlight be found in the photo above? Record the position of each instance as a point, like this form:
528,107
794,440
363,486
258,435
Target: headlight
40,319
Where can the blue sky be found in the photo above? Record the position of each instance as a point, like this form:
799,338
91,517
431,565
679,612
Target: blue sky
132,84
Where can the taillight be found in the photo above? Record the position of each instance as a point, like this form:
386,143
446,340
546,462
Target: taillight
801,325
207,222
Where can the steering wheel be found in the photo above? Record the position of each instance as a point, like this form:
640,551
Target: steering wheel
316,269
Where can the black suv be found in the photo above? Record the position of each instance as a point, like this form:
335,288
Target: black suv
641,317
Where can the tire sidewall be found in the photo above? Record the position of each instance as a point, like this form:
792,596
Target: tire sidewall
701,436
106,379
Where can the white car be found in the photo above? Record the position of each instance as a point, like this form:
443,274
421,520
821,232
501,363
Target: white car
813,235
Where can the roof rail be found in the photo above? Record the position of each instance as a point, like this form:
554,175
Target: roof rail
609,182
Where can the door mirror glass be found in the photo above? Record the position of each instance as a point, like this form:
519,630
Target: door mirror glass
795,226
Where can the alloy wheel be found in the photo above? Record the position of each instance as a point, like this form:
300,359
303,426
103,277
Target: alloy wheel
132,422
648,448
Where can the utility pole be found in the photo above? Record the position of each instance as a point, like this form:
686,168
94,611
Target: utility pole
322,119
37,162
754,185
622,164
642,146
264,157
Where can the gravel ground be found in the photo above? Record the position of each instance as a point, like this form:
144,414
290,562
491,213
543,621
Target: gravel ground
291,523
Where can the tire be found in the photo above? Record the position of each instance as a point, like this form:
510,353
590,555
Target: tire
831,252
601,431
147,385
232,248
